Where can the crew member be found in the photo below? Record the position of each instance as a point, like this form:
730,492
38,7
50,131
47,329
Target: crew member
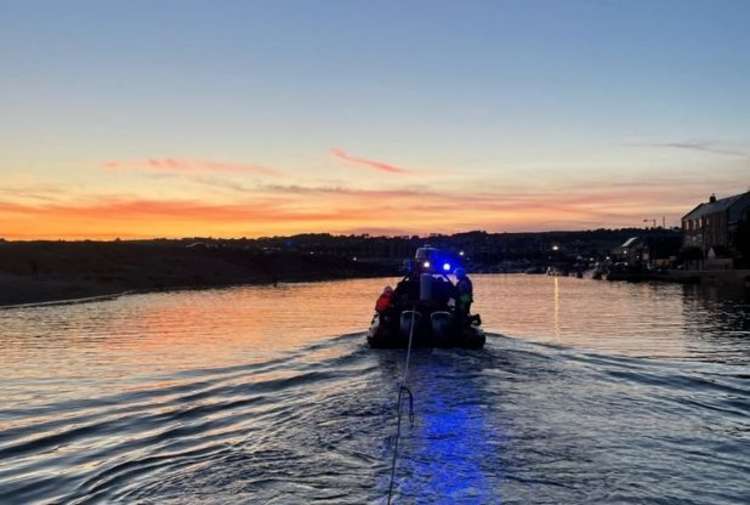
442,291
465,292
385,300
407,290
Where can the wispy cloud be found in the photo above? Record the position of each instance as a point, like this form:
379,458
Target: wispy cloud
343,191
380,166
698,145
187,166
43,192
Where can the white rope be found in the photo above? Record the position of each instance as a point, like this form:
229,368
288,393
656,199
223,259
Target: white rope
401,389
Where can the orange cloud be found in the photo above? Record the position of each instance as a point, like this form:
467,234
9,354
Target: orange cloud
273,210
184,166
374,164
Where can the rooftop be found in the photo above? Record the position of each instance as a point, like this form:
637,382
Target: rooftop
707,208
629,242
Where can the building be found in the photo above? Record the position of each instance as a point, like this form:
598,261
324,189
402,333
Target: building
631,251
713,226
652,252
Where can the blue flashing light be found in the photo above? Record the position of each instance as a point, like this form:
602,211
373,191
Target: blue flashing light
446,267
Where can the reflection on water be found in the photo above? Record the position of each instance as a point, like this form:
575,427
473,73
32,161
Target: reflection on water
602,393
557,308
134,339
665,320
717,325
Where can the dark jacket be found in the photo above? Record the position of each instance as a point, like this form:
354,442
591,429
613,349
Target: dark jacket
465,291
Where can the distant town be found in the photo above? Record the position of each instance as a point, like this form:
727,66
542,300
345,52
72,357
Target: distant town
712,246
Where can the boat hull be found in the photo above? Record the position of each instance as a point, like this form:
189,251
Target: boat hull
390,331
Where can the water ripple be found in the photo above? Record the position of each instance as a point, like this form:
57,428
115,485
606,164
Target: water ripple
304,417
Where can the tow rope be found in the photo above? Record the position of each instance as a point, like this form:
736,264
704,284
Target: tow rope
403,388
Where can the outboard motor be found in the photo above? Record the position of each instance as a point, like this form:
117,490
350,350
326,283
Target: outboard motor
441,324
406,322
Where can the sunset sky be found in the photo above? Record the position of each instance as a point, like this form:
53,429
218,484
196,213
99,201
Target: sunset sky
179,118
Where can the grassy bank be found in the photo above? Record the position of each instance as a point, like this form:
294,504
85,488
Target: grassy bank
33,272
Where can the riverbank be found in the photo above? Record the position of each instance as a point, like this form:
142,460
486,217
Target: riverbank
40,272
730,279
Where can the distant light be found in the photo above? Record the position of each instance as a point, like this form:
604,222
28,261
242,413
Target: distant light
354,258
555,247
447,267
426,264
460,253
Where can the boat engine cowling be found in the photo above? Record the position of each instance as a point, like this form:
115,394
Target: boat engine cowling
441,324
406,322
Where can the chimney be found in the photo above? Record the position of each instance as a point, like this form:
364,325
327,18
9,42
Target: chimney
712,198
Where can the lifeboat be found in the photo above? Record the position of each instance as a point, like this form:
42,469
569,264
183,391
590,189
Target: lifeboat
423,309
430,329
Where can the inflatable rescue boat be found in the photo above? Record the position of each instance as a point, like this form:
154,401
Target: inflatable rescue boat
424,310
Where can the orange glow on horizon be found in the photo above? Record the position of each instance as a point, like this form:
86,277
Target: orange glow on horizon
285,210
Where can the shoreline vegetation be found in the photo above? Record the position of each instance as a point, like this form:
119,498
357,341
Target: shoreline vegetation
43,273
46,272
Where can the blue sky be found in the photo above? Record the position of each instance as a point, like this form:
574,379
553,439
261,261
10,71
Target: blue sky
505,96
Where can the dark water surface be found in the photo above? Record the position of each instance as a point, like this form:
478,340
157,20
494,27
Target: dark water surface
597,393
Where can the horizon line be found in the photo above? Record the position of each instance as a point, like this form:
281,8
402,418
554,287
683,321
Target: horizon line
123,238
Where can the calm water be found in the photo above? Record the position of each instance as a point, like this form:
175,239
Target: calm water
587,392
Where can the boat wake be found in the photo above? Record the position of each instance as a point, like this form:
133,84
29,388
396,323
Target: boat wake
516,422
